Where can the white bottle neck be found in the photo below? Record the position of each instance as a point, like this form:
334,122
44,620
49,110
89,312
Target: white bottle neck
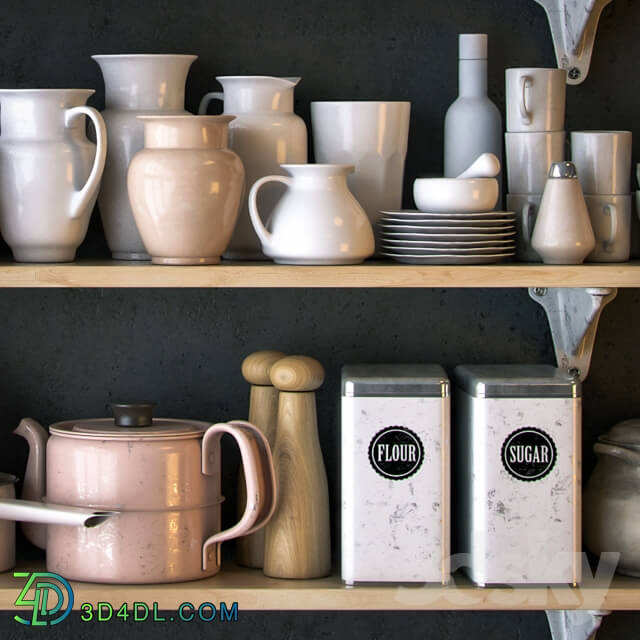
472,78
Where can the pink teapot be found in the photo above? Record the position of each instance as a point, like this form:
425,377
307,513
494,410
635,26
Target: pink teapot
161,476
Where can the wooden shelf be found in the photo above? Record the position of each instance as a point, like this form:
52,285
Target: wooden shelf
254,592
371,274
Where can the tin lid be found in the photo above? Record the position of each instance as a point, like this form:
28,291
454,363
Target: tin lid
130,422
517,381
398,380
623,433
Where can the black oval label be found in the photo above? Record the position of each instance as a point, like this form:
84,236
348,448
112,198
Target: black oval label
396,452
529,454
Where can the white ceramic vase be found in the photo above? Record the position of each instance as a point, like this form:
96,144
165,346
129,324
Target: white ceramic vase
317,220
265,134
134,85
49,171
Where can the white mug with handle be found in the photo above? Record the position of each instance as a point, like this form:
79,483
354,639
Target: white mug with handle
611,221
536,99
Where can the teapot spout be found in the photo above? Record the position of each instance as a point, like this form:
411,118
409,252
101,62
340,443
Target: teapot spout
34,479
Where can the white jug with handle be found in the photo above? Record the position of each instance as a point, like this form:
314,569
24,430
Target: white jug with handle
317,220
49,171
265,134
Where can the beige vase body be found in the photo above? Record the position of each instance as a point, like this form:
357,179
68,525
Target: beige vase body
185,188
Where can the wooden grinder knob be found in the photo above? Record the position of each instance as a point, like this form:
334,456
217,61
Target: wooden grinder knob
256,367
297,373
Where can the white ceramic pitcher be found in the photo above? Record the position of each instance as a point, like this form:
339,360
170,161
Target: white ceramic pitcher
317,221
265,134
135,84
49,171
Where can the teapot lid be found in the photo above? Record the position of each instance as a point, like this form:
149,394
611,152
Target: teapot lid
623,433
131,422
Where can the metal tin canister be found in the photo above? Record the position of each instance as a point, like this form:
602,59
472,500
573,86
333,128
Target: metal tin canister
395,473
517,470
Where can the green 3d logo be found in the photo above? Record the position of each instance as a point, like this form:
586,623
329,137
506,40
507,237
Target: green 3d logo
49,596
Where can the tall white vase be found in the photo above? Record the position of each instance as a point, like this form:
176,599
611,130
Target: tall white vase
49,172
137,84
266,133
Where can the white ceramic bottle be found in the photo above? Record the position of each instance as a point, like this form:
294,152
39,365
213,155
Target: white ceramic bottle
473,124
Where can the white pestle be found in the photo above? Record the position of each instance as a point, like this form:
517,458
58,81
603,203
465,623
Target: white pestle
485,165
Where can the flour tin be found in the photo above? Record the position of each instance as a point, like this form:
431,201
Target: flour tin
517,469
395,473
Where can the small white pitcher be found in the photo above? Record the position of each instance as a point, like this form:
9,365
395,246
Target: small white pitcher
317,221
49,171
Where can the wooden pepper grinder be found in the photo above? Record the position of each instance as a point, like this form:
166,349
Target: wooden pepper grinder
263,413
297,541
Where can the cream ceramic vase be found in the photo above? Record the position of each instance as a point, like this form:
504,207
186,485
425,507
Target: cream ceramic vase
317,220
134,85
49,171
265,134
563,233
185,188
612,497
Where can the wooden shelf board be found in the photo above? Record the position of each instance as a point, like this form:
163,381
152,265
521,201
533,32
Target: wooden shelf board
108,273
255,592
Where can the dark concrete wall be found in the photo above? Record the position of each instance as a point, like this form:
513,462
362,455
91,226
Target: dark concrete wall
68,353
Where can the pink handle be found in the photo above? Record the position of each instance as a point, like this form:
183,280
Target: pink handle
259,477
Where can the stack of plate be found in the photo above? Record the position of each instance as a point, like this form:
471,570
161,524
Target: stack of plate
416,237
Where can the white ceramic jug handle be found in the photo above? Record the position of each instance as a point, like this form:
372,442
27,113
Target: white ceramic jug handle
81,199
206,99
528,212
612,210
525,115
259,478
256,221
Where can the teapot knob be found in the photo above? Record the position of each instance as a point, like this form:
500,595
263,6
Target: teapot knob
133,415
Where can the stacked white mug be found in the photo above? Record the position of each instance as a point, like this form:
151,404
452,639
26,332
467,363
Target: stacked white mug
535,139
603,162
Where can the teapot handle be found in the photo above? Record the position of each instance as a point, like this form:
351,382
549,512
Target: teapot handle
81,199
206,99
261,231
631,457
259,477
